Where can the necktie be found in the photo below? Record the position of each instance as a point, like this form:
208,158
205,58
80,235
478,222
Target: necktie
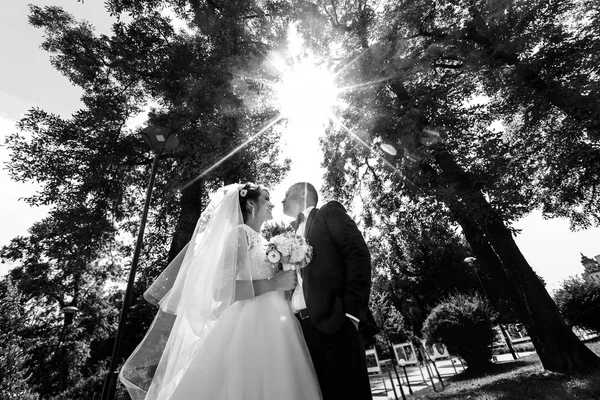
298,221
298,302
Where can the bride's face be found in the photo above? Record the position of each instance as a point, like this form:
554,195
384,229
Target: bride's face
265,207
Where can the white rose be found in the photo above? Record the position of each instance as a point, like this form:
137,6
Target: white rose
297,255
274,256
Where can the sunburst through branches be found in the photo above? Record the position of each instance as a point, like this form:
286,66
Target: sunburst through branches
304,89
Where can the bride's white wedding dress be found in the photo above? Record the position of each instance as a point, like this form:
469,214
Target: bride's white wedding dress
256,349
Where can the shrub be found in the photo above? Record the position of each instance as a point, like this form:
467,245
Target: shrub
465,324
579,303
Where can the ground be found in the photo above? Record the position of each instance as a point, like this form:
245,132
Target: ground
509,379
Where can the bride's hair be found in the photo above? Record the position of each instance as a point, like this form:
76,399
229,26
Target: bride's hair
249,192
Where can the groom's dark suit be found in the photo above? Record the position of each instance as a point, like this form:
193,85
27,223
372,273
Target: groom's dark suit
337,282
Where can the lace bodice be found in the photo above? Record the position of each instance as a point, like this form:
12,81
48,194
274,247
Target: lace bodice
260,268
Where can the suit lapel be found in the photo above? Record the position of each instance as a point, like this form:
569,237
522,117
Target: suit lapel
309,221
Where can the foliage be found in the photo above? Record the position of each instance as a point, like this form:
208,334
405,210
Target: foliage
417,260
93,168
503,108
491,107
95,157
389,321
465,324
463,107
84,388
14,360
67,260
271,229
579,302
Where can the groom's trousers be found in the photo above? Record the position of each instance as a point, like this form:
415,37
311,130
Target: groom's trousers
339,361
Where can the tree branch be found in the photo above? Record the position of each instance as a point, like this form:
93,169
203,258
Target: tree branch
449,66
256,16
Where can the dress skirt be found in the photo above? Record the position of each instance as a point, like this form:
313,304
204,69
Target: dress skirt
256,351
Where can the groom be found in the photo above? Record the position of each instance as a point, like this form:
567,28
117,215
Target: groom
336,284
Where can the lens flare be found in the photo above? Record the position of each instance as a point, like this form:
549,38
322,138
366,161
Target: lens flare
306,92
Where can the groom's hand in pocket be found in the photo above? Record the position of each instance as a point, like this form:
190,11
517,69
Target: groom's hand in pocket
285,280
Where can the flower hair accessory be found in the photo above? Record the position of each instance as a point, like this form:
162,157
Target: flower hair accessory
247,187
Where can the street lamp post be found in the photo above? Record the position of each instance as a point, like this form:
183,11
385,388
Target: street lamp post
159,139
69,313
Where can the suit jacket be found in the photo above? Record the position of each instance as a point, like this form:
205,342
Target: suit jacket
338,278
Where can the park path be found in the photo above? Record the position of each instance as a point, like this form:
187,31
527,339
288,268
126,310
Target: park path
419,378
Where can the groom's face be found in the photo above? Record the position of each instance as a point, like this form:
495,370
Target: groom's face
293,203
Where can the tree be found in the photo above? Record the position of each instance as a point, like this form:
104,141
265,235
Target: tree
431,77
271,229
190,82
428,111
14,370
579,302
389,320
93,169
64,263
417,260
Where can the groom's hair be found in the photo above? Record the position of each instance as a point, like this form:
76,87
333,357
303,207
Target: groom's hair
311,192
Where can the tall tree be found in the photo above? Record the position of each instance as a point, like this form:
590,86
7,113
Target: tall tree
418,257
93,168
61,269
436,110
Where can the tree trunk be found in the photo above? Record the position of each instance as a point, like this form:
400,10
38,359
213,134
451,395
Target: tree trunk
191,208
63,373
556,344
501,291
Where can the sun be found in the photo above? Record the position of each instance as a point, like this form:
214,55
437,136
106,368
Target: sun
305,90
306,93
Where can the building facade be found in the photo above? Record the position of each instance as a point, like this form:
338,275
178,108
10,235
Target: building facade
591,268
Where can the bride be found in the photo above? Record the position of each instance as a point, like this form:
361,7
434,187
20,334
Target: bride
224,329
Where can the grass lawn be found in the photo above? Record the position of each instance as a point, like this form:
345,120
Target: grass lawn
520,379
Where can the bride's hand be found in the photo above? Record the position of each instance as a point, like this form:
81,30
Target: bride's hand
285,280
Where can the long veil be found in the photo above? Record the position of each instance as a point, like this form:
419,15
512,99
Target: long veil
207,276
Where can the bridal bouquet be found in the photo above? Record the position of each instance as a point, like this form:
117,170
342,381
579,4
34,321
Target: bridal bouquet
290,249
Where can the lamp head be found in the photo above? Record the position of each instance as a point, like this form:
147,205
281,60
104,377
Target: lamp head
70,310
159,138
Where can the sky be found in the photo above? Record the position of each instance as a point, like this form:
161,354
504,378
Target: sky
28,80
